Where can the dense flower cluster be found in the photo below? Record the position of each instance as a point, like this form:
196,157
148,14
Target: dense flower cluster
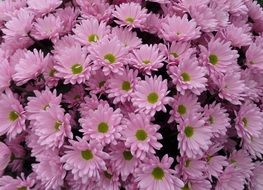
131,94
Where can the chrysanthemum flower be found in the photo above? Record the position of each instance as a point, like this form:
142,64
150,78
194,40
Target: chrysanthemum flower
155,174
73,65
30,66
20,183
122,160
188,75
98,82
217,119
52,126
148,58
249,120
5,158
237,7
6,72
121,87
131,15
254,57
75,96
151,95
90,31
254,146
219,57
197,184
194,136
256,181
141,135
85,160
108,180
44,6
108,54
102,125
179,29
12,115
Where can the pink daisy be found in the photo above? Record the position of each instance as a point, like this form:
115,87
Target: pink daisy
188,75
254,146
131,15
254,58
121,87
150,95
194,137
102,125
141,135
5,158
10,8
85,160
6,72
122,160
52,126
98,82
73,65
30,66
20,183
155,174
44,6
256,181
12,115
109,180
148,58
179,29
90,31
219,57
75,96
217,119
249,120
108,54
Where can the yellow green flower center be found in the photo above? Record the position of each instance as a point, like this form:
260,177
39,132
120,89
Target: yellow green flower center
52,72
146,62
87,154
127,155
22,188
141,135
185,187
245,122
158,173
188,131
213,59
13,115
174,54
211,120
152,97
93,38
186,77
129,20
187,163
57,125
76,69
126,86
181,109
110,58
101,83
103,127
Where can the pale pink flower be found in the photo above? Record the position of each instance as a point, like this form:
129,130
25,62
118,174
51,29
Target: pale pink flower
254,57
179,28
102,125
73,65
150,95
155,174
36,148
8,9
90,31
6,72
256,180
147,59
254,146
98,82
109,180
85,160
8,183
43,7
141,135
131,15
5,157
12,115
74,96
237,7
198,184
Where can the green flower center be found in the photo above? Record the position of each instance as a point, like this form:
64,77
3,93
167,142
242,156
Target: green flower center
211,120
181,109
126,86
146,62
76,69
110,58
52,72
245,122
93,38
107,174
13,115
101,83
129,19
189,131
22,188
174,54
87,154
57,125
103,127
152,98
186,77
187,163
127,155
185,187
141,135
158,173
213,59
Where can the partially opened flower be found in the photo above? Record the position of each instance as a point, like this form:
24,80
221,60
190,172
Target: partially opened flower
109,179
254,58
12,115
85,160
102,125
43,7
254,146
151,95
98,82
131,15
155,174
141,136
75,96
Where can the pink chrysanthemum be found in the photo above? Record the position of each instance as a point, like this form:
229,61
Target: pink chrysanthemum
254,57
102,125
98,82
75,96
73,65
30,66
43,7
12,115
194,137
130,14
122,160
254,146
90,31
219,57
188,75
108,54
217,119
151,95
237,7
84,159
121,87
6,72
256,181
148,58
21,183
155,174
108,180
141,135
249,120
52,126
5,158
179,29
197,184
